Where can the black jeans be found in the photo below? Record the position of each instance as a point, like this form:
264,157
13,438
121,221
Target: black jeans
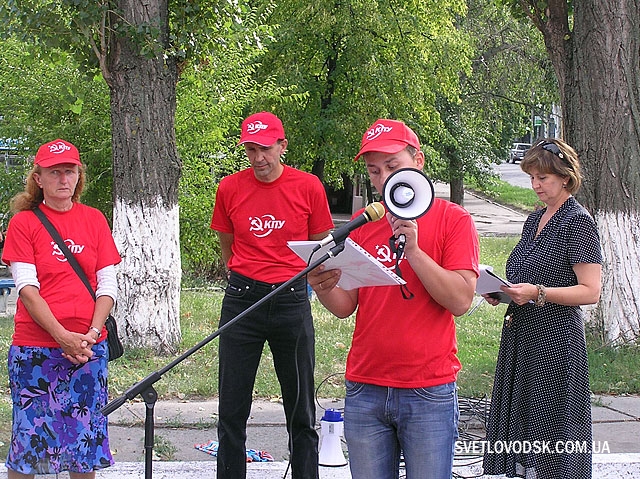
285,322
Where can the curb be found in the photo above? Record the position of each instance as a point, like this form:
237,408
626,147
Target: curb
605,466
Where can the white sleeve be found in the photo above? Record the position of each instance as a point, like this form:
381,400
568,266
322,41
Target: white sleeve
107,284
24,274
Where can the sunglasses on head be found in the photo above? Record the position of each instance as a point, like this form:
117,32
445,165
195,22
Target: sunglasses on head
553,148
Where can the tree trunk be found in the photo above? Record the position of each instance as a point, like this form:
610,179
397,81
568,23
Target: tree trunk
456,191
456,177
146,172
601,105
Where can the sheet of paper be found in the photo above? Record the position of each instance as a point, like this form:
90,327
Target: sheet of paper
489,283
358,267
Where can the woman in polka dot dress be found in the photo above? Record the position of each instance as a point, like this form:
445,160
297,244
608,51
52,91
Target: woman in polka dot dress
540,418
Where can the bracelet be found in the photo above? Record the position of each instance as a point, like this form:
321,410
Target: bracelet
542,295
96,330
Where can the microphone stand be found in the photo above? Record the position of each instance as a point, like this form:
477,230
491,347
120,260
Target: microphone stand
145,387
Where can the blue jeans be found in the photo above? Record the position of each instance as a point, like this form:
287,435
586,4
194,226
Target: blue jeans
380,423
285,322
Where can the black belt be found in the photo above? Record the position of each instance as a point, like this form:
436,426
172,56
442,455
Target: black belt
236,278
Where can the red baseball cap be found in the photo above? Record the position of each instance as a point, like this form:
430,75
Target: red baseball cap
388,136
263,128
56,152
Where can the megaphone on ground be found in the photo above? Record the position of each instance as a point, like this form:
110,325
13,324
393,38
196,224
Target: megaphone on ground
332,424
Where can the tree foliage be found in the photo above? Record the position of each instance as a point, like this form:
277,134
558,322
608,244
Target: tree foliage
510,81
355,62
466,83
213,93
45,95
329,69
216,45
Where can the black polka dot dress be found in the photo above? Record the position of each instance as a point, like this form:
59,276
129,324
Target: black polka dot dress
540,406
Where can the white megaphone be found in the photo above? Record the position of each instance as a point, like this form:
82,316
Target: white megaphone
408,193
332,426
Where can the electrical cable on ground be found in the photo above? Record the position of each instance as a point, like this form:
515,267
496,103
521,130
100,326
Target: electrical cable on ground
472,426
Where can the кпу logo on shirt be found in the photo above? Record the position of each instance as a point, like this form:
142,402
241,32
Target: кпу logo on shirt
264,225
59,255
255,127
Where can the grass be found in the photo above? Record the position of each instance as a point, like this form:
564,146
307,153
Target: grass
479,333
523,199
612,371
197,376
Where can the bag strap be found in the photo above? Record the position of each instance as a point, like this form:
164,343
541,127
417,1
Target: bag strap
73,262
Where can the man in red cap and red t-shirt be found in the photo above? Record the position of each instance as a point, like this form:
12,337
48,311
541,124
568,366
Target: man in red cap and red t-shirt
257,211
402,366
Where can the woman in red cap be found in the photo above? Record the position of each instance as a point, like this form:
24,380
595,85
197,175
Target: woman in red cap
58,356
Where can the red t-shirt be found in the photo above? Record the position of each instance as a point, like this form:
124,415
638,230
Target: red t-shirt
263,216
411,343
87,234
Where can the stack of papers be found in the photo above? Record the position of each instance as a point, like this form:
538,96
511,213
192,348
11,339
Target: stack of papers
489,283
358,267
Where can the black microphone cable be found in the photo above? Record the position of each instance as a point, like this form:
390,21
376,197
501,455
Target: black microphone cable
295,404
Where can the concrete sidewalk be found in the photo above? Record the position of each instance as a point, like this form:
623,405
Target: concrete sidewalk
604,467
490,218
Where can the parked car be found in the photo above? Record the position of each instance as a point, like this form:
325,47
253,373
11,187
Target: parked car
517,151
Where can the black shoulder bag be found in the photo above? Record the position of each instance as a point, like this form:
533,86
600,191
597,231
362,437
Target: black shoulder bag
116,349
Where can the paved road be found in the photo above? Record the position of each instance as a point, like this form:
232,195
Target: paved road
512,174
490,218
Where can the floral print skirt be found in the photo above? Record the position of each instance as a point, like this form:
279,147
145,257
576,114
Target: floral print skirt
57,425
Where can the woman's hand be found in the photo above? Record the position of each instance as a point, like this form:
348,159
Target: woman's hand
491,300
521,293
76,347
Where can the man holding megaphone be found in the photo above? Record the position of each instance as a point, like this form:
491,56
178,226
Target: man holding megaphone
402,366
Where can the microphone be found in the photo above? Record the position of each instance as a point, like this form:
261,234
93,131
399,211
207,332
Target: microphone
373,212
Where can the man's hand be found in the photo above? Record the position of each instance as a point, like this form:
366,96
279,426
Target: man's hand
322,281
